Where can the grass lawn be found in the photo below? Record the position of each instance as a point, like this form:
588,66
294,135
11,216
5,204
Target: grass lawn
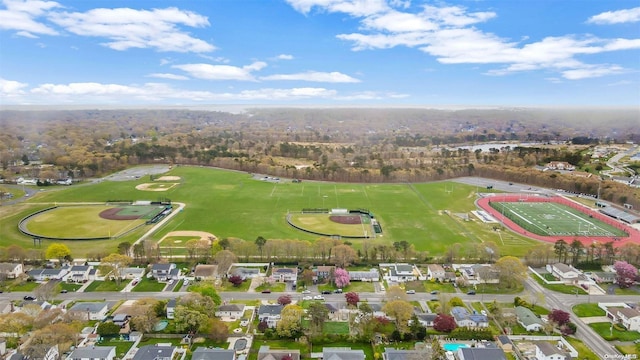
405,211
366,347
70,287
584,353
153,341
23,286
145,284
603,329
586,310
277,344
561,288
629,349
277,287
493,289
430,286
539,310
227,286
105,286
627,291
359,286
121,346
336,327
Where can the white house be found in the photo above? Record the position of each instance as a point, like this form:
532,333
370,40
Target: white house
560,165
48,274
464,318
435,272
371,275
131,273
546,351
90,310
480,274
155,352
79,273
478,353
203,353
171,308
93,353
566,273
270,314
234,311
426,319
400,272
627,317
284,274
164,272
528,319
11,270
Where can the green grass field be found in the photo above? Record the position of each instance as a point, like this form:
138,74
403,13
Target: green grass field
553,219
586,310
320,223
78,221
233,204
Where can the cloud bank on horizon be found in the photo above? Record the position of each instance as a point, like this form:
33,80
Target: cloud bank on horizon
321,52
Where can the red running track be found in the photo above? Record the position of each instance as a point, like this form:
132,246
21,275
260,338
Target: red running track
634,235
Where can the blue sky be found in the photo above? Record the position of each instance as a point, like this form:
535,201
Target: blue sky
320,52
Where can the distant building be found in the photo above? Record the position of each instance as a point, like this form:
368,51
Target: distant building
11,270
560,165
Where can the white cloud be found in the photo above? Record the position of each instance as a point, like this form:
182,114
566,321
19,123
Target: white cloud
450,34
222,72
21,16
130,28
26,34
10,88
284,57
168,76
616,17
315,76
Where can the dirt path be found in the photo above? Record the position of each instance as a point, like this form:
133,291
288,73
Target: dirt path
202,234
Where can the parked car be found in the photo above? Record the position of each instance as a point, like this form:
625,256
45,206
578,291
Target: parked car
63,291
306,291
434,292
267,291
318,297
326,292
411,291
308,297
337,291
471,292
483,312
29,298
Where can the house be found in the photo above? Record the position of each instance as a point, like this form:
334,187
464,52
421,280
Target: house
400,272
90,310
339,353
244,272
477,353
426,319
234,311
547,351
48,274
450,276
371,275
505,343
171,308
377,309
435,272
627,317
266,353
270,314
323,272
131,273
206,272
560,165
464,318
11,270
480,274
121,319
284,274
528,319
164,272
79,273
566,273
93,353
602,276
155,352
203,353
396,354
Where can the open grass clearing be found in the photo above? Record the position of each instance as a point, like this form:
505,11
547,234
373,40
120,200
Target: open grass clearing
99,286
430,286
148,285
22,285
588,310
122,346
608,333
561,288
584,353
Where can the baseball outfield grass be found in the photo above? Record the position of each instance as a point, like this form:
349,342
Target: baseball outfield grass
234,204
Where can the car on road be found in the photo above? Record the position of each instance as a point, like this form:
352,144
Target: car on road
434,292
318,297
267,291
471,292
64,291
306,291
411,291
326,292
308,297
29,298
337,291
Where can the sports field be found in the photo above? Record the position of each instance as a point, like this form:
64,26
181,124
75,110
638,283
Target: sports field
72,222
234,204
554,219
350,226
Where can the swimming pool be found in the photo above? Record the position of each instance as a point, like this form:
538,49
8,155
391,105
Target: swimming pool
161,325
453,346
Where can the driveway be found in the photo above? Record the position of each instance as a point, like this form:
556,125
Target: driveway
595,319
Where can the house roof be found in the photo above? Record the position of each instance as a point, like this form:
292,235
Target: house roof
483,354
397,354
548,349
460,313
6,267
563,267
153,352
172,303
628,312
504,340
203,353
435,268
204,270
325,268
46,272
131,270
427,317
89,306
526,316
231,307
92,352
270,309
161,267
342,354
120,317
82,268
284,271
265,353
